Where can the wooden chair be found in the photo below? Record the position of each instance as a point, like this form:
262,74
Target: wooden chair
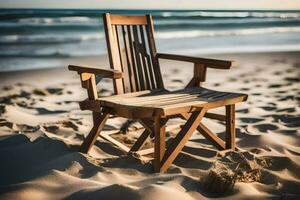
140,92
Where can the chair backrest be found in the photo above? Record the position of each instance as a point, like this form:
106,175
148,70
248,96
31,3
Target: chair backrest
131,49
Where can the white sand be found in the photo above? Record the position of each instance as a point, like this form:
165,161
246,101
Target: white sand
41,127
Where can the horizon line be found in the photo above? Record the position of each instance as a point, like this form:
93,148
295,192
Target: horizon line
155,9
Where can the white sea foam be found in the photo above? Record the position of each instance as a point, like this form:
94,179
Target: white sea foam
241,14
199,33
49,38
58,20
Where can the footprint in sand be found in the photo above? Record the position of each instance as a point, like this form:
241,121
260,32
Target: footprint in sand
289,97
278,73
292,79
7,88
244,111
70,124
275,85
4,123
51,129
57,91
56,127
48,91
287,110
245,89
281,92
2,109
256,94
265,127
9,99
250,120
27,128
288,120
268,108
44,111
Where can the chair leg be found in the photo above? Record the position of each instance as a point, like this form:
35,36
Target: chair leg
140,141
208,134
159,145
94,133
181,139
230,127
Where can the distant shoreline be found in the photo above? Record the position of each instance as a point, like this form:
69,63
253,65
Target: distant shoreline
94,59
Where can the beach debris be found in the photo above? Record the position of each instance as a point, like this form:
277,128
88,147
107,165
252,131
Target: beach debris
219,180
233,167
70,124
47,91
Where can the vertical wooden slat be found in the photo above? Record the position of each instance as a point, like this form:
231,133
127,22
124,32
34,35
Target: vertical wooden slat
143,60
123,61
138,58
148,58
141,70
114,59
134,64
128,60
146,63
155,63
116,36
230,127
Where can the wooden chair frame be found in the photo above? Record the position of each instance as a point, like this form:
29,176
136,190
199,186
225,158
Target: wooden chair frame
155,121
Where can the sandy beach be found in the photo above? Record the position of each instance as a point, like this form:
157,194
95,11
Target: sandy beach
41,128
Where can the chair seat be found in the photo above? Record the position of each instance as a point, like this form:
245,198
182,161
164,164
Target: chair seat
162,102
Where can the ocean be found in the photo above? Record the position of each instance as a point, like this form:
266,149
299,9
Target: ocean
42,38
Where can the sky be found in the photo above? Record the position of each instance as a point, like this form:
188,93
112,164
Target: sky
155,4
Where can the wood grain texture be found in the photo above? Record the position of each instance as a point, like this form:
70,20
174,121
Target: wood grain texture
131,49
212,63
127,20
159,143
140,92
94,133
230,127
107,73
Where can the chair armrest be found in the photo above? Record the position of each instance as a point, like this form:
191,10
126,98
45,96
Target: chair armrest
212,63
107,73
